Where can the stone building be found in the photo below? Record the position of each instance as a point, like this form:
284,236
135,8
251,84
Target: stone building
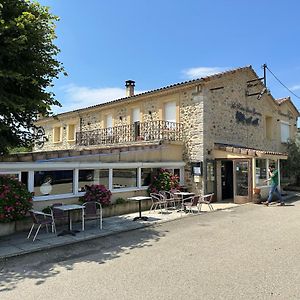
218,134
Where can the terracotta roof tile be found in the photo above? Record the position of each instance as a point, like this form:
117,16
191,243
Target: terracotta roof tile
183,83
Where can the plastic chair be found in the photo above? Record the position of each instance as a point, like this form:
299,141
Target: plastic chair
92,210
39,218
206,199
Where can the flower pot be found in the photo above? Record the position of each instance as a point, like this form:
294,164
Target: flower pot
256,191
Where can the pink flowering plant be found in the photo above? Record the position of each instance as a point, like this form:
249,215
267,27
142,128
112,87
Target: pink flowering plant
15,199
163,181
98,193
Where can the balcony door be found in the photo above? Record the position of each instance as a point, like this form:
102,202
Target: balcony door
170,115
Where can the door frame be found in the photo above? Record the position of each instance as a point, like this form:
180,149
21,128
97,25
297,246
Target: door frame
242,199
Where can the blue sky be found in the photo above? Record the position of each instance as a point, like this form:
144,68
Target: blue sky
161,42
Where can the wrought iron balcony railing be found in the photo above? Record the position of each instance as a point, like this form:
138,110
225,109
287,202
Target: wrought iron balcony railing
138,131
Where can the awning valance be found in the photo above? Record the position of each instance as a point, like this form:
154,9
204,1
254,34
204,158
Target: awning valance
235,151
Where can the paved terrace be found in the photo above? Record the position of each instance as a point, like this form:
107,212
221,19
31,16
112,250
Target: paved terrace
17,244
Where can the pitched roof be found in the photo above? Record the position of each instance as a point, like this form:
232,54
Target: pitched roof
168,87
280,101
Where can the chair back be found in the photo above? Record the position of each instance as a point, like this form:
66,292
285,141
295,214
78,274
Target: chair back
163,194
208,198
195,200
90,208
57,214
156,197
34,217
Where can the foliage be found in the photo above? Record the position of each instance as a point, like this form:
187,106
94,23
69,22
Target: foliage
96,192
15,200
27,68
47,210
293,161
120,200
163,181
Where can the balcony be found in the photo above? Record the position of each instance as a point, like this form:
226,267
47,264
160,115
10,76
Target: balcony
136,132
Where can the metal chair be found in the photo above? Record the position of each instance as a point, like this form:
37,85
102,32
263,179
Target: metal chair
39,218
92,210
168,198
58,215
191,202
206,199
157,201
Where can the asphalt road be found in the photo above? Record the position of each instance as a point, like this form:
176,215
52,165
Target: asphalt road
249,252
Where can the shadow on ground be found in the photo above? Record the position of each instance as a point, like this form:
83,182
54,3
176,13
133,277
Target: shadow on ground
45,264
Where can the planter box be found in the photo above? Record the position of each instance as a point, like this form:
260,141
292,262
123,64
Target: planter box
108,211
7,228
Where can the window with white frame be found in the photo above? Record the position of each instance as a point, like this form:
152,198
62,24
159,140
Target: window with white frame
170,111
136,115
109,124
260,172
50,182
91,176
124,178
285,131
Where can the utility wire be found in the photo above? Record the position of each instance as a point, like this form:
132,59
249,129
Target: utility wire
282,83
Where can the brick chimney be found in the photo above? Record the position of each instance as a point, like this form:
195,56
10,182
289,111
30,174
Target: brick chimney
130,84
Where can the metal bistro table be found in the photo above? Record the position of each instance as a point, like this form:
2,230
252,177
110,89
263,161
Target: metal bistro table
183,195
139,199
70,208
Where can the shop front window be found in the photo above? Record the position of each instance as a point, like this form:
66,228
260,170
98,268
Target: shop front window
260,172
89,177
53,182
124,178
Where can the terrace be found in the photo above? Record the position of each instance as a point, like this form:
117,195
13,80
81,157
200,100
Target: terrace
136,132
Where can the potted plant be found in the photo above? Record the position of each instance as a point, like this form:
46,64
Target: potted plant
98,193
163,181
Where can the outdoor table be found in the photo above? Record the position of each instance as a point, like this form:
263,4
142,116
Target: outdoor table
69,208
139,199
183,194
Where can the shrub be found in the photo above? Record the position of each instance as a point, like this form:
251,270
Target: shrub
163,181
120,200
96,192
15,200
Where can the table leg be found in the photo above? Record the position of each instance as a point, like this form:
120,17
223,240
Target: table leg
69,231
140,214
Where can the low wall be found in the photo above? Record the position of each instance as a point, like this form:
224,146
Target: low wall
108,211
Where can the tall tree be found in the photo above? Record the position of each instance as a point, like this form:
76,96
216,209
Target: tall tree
293,161
28,66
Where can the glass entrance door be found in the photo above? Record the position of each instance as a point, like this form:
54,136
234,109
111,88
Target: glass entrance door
242,179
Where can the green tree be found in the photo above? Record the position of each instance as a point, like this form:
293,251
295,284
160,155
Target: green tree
28,66
293,161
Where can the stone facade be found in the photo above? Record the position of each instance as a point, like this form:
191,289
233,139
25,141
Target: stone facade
215,109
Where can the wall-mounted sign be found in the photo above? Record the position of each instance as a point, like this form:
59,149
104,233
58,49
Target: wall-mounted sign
242,118
40,137
246,109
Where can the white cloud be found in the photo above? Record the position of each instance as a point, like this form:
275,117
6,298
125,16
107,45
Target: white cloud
199,72
76,97
295,87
